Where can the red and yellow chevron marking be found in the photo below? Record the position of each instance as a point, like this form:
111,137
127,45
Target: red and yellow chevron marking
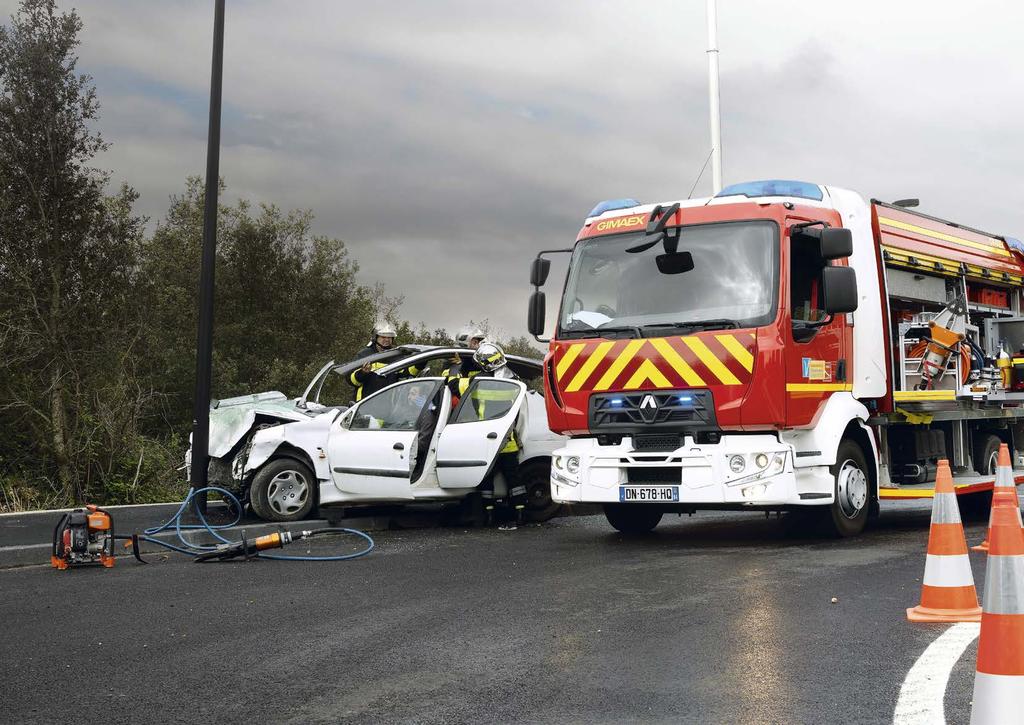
661,362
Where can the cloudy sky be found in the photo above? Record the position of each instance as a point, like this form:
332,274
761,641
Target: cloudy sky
447,141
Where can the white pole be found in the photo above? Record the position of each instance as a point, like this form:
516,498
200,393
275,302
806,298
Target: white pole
716,115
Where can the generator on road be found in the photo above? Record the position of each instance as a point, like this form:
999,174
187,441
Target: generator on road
83,536
783,344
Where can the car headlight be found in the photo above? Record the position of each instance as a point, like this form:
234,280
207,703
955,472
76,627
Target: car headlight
572,464
737,464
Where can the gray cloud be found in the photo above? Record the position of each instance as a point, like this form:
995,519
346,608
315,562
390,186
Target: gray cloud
446,142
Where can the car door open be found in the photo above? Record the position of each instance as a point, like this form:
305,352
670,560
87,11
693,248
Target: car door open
477,431
374,449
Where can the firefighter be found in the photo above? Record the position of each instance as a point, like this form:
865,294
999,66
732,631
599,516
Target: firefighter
365,379
468,338
490,359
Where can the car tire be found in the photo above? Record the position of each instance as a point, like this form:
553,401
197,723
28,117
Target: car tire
987,454
849,511
283,490
536,477
632,518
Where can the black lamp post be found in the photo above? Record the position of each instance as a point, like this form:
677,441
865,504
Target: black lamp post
204,342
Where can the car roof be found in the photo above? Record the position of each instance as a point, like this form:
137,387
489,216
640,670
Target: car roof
404,352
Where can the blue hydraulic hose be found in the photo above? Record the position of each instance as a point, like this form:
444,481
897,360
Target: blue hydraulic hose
191,549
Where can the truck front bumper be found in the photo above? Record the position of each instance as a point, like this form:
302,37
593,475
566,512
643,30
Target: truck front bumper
739,470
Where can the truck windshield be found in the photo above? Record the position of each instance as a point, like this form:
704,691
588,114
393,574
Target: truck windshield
732,284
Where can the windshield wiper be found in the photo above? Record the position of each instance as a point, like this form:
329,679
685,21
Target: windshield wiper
716,324
600,332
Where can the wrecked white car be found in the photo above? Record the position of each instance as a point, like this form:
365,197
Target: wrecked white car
404,443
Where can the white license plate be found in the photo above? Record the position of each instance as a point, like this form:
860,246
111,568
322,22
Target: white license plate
648,494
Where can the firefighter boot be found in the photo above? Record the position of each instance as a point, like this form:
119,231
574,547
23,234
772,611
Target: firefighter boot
508,516
487,499
517,498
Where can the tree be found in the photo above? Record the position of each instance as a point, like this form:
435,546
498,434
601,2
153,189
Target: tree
287,301
69,257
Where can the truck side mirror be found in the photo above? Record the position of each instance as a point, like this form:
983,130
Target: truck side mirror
833,242
836,243
539,271
535,318
839,289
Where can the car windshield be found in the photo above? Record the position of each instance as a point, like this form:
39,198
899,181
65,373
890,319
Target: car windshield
615,283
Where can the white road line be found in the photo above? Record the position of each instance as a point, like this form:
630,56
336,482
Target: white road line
923,694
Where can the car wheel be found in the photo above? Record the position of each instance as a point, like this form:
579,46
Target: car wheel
283,490
848,513
536,477
987,454
632,518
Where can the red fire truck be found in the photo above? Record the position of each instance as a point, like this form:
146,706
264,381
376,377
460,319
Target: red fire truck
780,345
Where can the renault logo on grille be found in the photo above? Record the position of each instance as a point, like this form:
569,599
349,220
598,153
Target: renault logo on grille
649,408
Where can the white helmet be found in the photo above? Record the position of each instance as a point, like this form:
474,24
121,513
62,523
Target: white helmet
469,333
489,357
383,328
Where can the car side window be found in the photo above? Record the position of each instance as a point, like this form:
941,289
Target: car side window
486,399
397,408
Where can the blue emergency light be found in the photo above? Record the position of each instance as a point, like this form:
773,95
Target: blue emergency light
612,205
773,187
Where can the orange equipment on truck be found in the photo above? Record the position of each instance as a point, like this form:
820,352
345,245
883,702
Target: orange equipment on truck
783,344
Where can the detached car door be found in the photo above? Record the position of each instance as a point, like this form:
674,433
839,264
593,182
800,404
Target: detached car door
477,431
373,450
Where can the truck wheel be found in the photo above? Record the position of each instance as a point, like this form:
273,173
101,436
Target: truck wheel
987,454
283,490
632,518
849,512
537,479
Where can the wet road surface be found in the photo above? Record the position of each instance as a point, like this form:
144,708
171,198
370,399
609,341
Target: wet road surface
722,617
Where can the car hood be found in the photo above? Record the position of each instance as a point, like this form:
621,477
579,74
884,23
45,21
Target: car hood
232,419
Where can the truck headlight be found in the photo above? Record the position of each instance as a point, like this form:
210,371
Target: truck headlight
774,464
737,464
572,464
558,463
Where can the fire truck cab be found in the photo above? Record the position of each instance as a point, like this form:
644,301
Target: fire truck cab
763,349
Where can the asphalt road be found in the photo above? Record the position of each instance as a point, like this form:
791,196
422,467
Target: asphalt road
720,618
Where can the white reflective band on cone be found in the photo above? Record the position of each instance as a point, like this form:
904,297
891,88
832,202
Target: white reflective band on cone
997,699
945,509
948,571
1004,585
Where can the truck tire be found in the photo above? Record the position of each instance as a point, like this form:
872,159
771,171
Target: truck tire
632,518
848,513
986,454
536,477
283,490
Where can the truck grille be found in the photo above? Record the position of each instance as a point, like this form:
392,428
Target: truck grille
681,410
657,441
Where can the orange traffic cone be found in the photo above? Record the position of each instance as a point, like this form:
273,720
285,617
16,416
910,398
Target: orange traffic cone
999,676
1005,482
947,593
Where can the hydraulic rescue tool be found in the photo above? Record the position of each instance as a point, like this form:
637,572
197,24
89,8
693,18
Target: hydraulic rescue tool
248,548
946,332
86,536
